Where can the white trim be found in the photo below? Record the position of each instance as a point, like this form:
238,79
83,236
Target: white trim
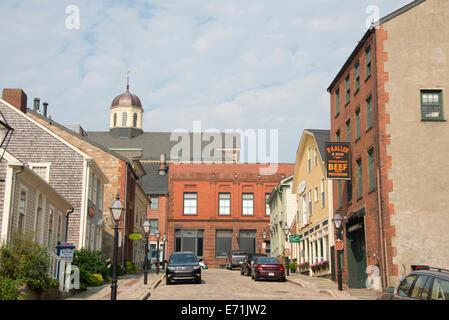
22,187
83,210
45,129
6,202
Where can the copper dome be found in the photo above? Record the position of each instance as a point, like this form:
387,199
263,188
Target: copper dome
126,99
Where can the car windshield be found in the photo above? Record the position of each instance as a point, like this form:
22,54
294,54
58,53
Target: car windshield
253,259
267,260
183,258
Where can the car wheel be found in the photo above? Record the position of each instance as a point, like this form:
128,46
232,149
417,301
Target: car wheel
255,278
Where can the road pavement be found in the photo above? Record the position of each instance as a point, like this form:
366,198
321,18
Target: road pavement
222,284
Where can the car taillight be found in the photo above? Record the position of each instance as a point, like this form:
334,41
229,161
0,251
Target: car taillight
259,268
281,268
232,259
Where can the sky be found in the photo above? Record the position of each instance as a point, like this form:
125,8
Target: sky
233,64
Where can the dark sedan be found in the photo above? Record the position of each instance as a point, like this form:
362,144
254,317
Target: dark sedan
268,268
248,263
183,266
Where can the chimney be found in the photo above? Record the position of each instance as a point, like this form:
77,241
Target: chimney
36,104
16,97
45,104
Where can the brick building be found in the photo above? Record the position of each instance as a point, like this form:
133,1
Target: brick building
214,208
387,100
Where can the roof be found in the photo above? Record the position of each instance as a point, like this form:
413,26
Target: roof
126,99
153,144
368,33
153,182
321,136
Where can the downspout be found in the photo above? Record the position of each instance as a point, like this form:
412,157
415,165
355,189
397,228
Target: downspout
67,222
124,217
382,239
11,208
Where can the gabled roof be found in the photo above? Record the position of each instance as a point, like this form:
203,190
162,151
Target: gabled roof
321,136
375,24
153,182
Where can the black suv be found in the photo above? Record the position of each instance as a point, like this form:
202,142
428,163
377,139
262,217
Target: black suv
423,283
247,266
183,266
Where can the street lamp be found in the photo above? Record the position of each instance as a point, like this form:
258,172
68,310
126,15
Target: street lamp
337,222
158,235
286,231
146,228
5,129
116,210
164,238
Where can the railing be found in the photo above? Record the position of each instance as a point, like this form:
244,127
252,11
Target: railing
53,271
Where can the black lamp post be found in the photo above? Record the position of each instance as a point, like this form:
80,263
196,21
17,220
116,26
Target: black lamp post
286,231
116,212
5,129
158,235
146,228
337,222
164,239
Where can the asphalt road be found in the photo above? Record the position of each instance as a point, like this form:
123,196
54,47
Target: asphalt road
222,284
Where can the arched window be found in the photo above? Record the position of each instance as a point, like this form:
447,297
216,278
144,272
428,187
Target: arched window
135,120
115,119
124,119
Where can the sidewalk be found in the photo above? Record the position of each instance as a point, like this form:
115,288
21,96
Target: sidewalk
129,287
330,287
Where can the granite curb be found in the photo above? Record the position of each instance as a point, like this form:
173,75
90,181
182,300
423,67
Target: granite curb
149,288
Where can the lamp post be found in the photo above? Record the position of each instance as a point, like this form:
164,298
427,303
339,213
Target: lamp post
158,235
5,129
337,222
116,210
286,231
164,239
146,228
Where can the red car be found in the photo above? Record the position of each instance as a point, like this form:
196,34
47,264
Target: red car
268,268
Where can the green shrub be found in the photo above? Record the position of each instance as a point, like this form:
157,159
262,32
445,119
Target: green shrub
293,265
10,289
120,270
90,262
94,280
130,267
27,261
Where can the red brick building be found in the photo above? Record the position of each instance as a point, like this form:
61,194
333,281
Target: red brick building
214,208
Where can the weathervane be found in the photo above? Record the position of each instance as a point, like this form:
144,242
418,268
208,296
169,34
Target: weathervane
127,80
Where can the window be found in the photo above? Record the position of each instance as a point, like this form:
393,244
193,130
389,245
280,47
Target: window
440,289
190,202
189,240
153,225
42,170
154,205
267,204
50,227
223,243
135,120
359,178
315,194
309,163
309,199
349,190
305,214
371,169
91,189
316,156
348,89
348,131
369,113
357,124
357,76
337,101
37,222
94,192
368,61
115,119
224,204
22,210
124,119
405,285
247,204
58,237
431,105
323,193
247,240
421,289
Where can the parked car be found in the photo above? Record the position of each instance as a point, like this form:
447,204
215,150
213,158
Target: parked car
235,258
268,268
183,266
248,263
424,283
